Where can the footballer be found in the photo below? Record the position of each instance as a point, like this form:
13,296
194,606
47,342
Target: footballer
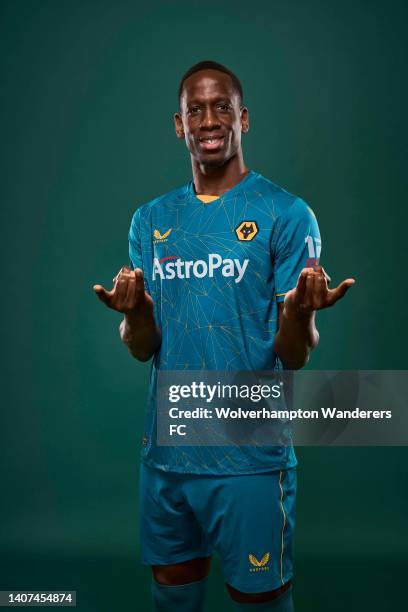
224,275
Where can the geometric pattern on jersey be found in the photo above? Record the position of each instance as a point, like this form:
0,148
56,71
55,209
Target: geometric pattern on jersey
216,273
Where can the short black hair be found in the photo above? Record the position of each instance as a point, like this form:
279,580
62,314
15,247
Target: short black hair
210,65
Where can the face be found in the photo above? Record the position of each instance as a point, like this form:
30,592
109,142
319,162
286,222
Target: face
210,119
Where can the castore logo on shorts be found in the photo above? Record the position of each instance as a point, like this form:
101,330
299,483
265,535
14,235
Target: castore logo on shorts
259,566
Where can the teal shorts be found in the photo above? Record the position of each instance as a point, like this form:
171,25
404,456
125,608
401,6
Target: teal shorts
248,520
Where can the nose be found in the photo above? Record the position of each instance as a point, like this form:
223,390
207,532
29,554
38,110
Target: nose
209,118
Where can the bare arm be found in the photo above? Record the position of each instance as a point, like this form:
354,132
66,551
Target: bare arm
297,335
138,330
296,338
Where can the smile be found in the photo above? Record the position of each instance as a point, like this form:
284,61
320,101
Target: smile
211,143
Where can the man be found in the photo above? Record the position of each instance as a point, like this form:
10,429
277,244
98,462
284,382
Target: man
225,277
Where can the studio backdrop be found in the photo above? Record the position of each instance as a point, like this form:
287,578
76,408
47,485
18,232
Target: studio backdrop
88,90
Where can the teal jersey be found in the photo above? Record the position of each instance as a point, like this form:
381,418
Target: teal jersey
216,273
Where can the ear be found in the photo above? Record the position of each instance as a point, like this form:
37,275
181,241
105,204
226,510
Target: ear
244,120
178,124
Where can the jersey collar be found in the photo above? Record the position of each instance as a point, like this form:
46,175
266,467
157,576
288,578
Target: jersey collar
244,184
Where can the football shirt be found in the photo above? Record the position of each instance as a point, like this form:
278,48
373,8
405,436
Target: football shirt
216,272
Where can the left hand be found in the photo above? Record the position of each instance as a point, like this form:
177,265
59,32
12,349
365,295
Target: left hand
312,292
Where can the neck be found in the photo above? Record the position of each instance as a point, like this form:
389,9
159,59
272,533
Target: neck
218,180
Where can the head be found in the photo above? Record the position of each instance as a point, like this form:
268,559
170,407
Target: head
212,117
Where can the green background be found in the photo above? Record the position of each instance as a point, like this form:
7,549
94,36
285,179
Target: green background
87,94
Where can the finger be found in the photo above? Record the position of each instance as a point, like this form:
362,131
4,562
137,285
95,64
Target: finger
320,291
139,288
301,285
309,293
120,289
336,294
131,288
320,270
123,270
327,277
103,295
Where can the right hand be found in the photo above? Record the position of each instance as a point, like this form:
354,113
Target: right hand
128,294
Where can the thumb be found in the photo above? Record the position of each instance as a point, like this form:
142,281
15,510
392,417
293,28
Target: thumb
102,294
341,290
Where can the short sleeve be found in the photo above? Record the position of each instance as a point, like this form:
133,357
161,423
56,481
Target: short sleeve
135,245
298,245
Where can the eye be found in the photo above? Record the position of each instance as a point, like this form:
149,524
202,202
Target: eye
224,107
193,110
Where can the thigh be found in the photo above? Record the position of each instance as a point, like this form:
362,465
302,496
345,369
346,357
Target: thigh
169,531
182,573
250,522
